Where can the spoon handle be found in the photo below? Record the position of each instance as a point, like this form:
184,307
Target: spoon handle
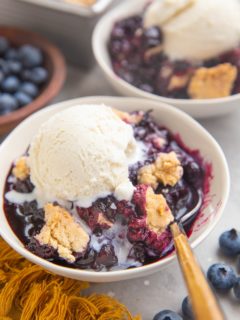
203,301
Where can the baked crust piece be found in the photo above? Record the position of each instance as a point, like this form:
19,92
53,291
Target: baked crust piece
166,169
21,169
62,233
159,215
215,82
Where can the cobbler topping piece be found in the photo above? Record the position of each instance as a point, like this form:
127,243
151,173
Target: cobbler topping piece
150,225
133,118
152,52
158,213
166,71
166,169
146,176
159,142
62,233
21,169
178,82
103,221
215,82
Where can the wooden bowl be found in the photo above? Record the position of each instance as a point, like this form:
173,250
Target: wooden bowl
53,61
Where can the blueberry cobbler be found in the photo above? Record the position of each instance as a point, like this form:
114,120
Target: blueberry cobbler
187,49
124,227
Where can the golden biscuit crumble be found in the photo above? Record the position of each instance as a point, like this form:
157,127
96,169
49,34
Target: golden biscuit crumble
62,233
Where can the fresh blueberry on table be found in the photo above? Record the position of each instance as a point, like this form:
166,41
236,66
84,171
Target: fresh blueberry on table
30,56
30,89
229,242
22,98
236,289
187,309
4,45
167,315
221,276
10,84
7,103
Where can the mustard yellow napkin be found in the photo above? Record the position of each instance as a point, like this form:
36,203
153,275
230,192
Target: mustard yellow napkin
28,292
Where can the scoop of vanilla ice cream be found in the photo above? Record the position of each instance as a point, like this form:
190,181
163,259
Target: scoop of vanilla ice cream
82,153
196,29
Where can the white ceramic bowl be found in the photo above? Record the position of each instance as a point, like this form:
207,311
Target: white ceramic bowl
195,107
193,135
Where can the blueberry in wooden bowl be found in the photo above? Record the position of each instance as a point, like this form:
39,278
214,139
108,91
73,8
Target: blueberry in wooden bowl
32,72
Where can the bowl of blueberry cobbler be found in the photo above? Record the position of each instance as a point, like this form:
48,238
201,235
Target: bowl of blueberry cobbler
118,234
182,53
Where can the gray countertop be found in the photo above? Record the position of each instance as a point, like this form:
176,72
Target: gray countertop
166,289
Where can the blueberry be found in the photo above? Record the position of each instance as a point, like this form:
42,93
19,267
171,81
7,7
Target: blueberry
7,103
152,37
30,56
24,186
30,89
12,54
236,289
238,264
146,87
4,67
44,251
192,172
167,315
229,242
4,45
10,84
37,75
14,66
22,98
221,276
130,25
106,257
187,309
117,33
1,76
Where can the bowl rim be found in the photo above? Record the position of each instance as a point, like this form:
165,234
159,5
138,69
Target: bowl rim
127,273
54,84
99,48
74,8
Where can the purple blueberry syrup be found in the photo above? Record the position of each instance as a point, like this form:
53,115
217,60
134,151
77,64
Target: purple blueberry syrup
127,243
137,58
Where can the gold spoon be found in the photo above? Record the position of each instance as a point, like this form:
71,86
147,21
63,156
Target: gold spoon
204,303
